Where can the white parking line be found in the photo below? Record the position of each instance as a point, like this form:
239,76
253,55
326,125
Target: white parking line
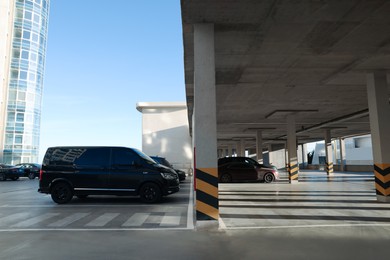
68,220
307,226
190,209
170,220
102,220
136,220
35,220
7,220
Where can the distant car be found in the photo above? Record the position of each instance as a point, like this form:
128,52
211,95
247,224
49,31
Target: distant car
163,161
8,171
244,169
30,170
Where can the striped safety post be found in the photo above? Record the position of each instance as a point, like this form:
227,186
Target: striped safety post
207,194
382,178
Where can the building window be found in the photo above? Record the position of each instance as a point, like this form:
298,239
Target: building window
25,55
26,35
27,15
19,117
18,139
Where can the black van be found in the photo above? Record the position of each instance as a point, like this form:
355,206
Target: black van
83,171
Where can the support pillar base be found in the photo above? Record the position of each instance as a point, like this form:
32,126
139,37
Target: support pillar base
381,198
207,225
294,181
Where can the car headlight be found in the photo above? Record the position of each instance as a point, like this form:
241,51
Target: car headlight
168,175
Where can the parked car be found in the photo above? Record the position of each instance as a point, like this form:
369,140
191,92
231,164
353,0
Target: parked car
86,170
8,171
30,170
163,161
244,169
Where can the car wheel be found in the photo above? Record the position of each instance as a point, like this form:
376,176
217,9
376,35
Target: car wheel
81,196
269,177
15,178
61,193
31,175
225,178
2,177
150,193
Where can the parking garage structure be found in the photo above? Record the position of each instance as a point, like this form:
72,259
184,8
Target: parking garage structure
306,70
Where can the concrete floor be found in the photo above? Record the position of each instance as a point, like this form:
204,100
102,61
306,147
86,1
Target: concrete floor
344,199
318,218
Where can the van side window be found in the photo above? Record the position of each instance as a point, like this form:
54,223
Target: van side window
65,156
94,156
123,157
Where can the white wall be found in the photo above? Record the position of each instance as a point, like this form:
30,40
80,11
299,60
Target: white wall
165,132
358,151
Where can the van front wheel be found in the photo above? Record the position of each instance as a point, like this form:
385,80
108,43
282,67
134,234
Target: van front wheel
150,193
61,193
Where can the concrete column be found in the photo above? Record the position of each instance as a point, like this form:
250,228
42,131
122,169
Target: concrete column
379,107
219,153
342,154
293,169
270,159
304,156
242,147
259,146
328,152
205,127
238,148
230,150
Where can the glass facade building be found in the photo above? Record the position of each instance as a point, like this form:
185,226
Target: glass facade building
22,87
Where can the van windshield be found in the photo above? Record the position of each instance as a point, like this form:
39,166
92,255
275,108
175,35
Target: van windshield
144,156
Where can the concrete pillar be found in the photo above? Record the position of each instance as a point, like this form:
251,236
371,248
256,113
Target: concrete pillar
328,152
205,127
238,148
379,107
242,147
342,154
219,153
270,159
230,150
259,146
293,168
302,156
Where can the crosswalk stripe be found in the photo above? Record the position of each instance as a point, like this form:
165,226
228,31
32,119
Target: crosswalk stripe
102,220
171,220
7,220
136,220
68,220
35,220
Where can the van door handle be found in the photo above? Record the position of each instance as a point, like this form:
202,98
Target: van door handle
145,172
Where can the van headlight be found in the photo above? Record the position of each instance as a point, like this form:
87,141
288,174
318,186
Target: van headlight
168,175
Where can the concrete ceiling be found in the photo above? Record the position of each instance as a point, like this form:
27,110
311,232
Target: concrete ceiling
305,57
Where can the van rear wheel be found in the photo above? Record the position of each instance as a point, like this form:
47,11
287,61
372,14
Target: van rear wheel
150,193
61,193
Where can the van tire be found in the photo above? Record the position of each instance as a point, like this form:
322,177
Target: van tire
150,193
61,193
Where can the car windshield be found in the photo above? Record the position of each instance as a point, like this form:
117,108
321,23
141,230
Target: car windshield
251,161
162,161
144,156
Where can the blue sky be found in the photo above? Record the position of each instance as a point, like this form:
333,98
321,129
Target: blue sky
102,58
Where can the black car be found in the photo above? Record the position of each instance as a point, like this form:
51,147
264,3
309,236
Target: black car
98,170
244,169
163,161
8,171
30,170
